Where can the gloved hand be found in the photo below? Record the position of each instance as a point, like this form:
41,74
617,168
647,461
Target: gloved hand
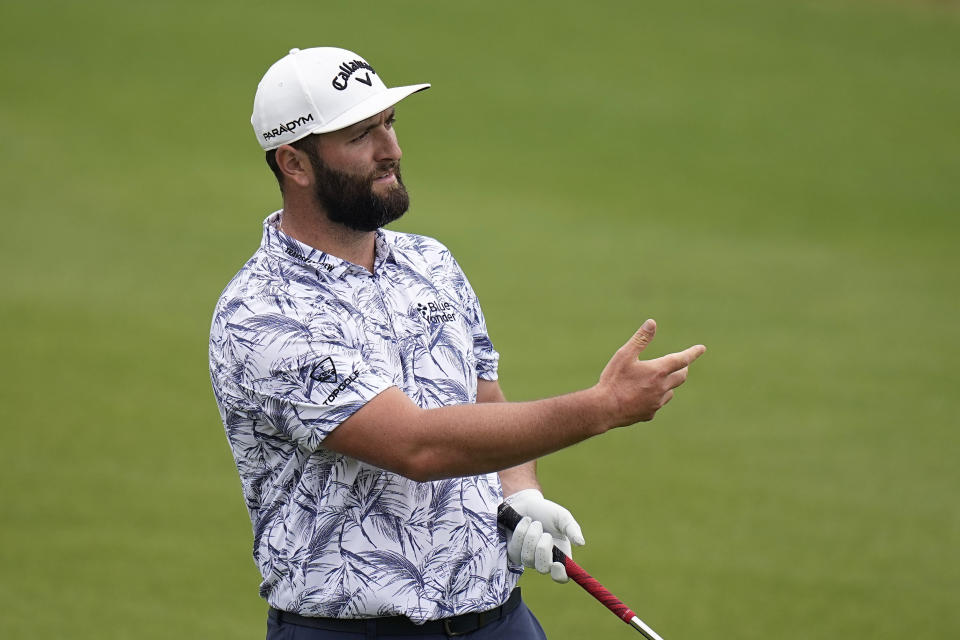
544,524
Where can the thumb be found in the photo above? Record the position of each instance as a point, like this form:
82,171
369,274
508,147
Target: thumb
639,341
570,528
558,571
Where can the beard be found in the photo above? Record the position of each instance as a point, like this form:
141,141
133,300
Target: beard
350,200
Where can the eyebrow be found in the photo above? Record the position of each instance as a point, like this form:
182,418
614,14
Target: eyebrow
359,128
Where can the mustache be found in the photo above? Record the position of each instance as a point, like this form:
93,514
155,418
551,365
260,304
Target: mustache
383,167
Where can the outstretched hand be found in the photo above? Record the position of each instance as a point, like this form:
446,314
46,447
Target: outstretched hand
636,388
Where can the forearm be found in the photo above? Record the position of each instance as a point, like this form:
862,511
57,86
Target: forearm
516,478
481,438
391,432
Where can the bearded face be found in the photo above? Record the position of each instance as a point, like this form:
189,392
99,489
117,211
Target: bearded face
354,201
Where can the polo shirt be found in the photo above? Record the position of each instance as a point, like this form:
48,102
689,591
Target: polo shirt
300,340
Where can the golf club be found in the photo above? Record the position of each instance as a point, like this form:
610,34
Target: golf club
508,519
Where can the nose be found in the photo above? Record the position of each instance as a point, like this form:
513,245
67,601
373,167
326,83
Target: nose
387,147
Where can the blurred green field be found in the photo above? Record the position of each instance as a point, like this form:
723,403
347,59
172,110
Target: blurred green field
777,180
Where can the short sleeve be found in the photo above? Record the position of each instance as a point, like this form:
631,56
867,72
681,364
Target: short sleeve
306,383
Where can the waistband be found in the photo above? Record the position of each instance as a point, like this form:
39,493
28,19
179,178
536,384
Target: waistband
401,625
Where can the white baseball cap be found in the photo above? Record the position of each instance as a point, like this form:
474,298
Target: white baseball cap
319,90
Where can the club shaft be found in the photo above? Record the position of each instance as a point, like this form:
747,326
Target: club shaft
642,627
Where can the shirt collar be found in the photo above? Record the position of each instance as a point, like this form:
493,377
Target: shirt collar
283,247
383,251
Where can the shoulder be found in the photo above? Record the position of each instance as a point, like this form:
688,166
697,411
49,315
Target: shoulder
268,332
413,242
420,250
264,287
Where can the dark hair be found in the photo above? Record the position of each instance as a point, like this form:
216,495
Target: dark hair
308,145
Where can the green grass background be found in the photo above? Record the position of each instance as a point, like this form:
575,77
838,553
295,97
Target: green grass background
777,180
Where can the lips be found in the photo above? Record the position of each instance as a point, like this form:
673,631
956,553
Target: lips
387,176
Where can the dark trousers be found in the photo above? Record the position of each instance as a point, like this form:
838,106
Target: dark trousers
519,624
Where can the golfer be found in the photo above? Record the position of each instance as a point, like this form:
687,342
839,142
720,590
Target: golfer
358,390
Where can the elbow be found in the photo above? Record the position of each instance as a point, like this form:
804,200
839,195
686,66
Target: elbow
418,475
423,465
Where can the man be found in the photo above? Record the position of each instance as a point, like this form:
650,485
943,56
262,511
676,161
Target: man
358,389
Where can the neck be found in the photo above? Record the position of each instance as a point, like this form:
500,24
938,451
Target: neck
311,226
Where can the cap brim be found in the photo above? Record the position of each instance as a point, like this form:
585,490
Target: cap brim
369,107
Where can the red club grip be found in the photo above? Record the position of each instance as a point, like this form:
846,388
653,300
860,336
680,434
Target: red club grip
597,590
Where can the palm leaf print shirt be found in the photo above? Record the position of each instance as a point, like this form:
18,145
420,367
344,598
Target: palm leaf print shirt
300,340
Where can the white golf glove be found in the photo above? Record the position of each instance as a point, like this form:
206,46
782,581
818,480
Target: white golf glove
544,524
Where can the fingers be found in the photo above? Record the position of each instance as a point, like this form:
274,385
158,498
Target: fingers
683,359
557,570
677,378
565,525
544,524
532,541
639,341
644,335
531,546
667,397
557,520
515,543
543,553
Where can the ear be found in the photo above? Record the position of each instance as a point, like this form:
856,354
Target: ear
295,165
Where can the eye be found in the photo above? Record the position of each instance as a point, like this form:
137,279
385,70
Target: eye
360,137
392,120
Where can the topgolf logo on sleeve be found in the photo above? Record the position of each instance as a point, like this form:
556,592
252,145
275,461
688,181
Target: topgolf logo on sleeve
324,371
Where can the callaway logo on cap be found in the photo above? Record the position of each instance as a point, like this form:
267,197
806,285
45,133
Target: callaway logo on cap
316,91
